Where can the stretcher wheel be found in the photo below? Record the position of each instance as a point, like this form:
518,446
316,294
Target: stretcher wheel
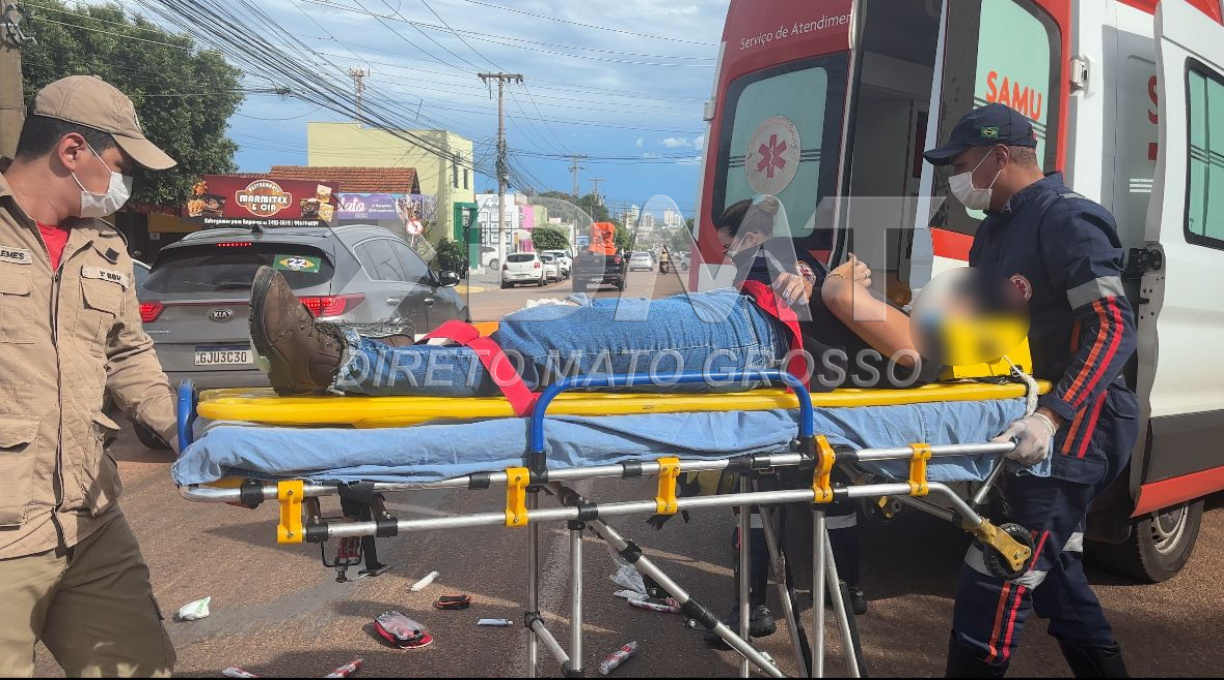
998,566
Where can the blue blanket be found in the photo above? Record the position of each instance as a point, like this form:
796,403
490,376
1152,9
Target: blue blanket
429,453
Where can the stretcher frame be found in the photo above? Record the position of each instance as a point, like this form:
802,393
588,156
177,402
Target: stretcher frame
301,520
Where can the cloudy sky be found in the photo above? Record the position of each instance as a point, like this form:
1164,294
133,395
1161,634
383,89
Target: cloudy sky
621,81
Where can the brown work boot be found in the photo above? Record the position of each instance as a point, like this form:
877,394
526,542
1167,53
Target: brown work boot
304,356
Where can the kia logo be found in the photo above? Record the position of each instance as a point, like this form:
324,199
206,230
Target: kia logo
221,315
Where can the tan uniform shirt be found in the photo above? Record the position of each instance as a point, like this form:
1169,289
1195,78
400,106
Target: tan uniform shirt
65,336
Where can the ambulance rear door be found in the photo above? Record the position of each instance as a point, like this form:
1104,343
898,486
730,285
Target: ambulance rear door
1013,52
1181,305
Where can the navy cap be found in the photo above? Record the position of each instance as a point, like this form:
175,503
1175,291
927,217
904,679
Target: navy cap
988,126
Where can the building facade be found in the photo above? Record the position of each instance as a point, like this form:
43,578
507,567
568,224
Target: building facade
443,162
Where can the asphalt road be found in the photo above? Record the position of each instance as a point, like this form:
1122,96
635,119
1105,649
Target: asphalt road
278,612
489,302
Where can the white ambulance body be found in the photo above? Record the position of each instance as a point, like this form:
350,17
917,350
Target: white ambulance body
824,102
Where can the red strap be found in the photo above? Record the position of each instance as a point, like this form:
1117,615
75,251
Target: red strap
495,361
455,331
767,299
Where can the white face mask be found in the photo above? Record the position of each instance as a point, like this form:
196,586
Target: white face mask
970,196
109,203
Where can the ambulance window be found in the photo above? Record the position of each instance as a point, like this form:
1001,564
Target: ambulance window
781,136
1005,65
1205,190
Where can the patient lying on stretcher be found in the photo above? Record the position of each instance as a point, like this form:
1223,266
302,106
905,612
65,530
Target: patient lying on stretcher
780,315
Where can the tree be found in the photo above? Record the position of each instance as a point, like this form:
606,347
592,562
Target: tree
590,204
452,256
184,97
624,239
681,241
544,238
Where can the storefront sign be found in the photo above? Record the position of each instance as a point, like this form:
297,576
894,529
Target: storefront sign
225,201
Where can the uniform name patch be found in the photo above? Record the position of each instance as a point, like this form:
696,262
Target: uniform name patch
16,255
97,274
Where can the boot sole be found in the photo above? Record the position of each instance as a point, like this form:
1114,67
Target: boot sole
279,374
755,630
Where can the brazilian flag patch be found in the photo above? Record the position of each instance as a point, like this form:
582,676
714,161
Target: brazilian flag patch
298,264
990,132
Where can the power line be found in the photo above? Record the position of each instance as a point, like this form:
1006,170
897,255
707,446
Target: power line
491,37
496,39
60,10
594,26
254,49
546,85
112,33
418,30
456,34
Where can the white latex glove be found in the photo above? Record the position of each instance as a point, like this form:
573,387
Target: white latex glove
1034,437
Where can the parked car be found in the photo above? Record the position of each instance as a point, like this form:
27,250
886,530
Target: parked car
195,302
141,270
488,257
522,268
564,259
552,267
641,260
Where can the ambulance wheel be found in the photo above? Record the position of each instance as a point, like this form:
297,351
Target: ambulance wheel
998,566
1159,546
149,438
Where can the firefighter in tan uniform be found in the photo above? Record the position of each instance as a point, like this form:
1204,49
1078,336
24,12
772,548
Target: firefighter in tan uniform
71,572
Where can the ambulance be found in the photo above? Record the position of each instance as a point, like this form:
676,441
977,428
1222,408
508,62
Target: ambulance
831,102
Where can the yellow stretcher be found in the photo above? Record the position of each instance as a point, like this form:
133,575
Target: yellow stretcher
265,408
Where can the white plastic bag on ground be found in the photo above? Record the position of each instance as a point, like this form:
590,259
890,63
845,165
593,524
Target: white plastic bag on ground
195,611
626,575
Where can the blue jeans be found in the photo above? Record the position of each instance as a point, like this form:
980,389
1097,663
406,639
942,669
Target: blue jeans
718,333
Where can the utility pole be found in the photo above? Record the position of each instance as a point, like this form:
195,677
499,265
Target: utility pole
574,168
358,75
12,96
598,198
502,79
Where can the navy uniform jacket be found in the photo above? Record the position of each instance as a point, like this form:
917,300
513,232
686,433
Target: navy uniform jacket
1063,252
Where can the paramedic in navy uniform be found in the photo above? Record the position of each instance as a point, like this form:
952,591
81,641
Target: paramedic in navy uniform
1062,251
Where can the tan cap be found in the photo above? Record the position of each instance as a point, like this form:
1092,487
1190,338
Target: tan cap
92,102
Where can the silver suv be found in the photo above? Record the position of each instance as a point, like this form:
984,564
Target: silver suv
195,302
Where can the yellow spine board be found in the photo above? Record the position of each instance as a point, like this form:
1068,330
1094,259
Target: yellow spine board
266,408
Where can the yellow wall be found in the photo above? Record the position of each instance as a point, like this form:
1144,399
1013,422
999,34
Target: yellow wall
351,145
169,224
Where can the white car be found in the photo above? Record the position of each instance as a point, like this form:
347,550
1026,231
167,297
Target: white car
641,260
552,268
564,259
488,257
522,268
